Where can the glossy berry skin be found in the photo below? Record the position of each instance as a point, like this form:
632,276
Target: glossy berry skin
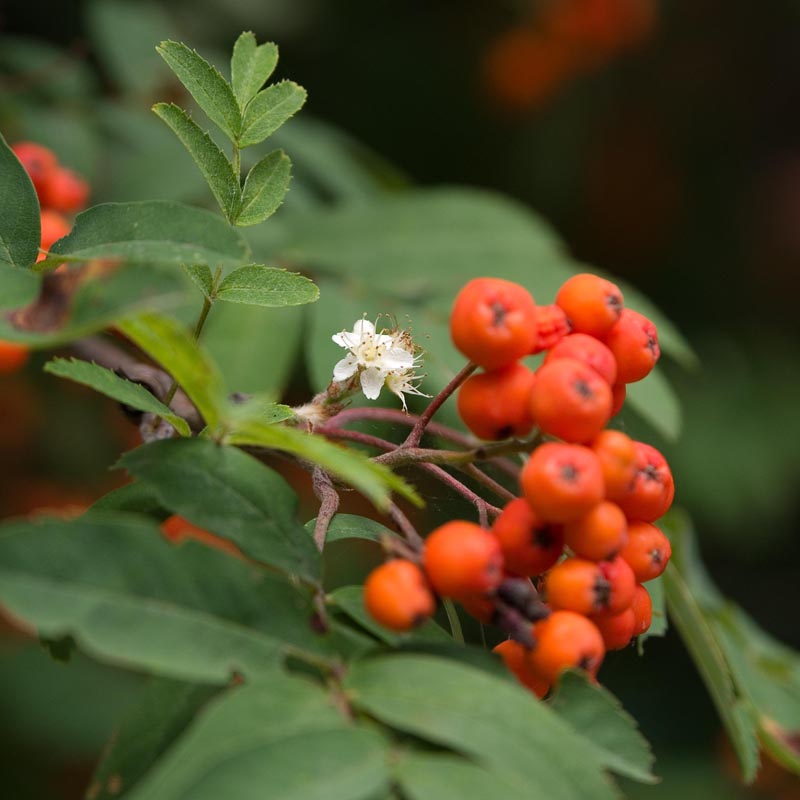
618,395
599,534
65,191
497,405
634,342
562,482
493,322
647,551
552,326
617,454
617,630
652,490
592,304
621,584
39,162
515,657
530,545
462,558
13,356
642,607
589,351
578,585
397,595
570,400
566,640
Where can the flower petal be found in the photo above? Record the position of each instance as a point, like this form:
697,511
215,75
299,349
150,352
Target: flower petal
345,368
397,359
362,327
372,382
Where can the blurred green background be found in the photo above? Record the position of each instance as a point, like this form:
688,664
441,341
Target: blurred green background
664,149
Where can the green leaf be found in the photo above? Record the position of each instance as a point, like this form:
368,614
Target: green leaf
269,109
112,385
200,276
350,600
151,232
264,188
655,400
425,776
216,169
172,346
258,285
736,713
20,228
497,723
136,497
374,481
350,526
258,409
600,717
18,287
231,494
129,597
209,89
162,712
281,735
659,623
251,65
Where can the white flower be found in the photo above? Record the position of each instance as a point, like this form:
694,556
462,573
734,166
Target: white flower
376,357
401,383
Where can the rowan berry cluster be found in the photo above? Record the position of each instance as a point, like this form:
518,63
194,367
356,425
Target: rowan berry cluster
61,192
561,569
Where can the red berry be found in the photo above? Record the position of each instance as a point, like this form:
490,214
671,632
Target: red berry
65,191
493,322
589,351
618,393
517,662
599,534
551,327
591,303
39,162
578,585
617,454
617,630
642,607
530,546
652,490
621,584
634,342
647,552
566,640
13,356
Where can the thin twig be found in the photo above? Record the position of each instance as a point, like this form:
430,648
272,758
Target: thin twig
406,528
490,483
329,504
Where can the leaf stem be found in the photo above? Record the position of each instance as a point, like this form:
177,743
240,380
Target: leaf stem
198,329
452,618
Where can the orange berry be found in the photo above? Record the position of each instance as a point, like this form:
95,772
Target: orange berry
618,393
589,351
563,641
647,552
652,490
562,481
578,585
13,356
515,656
396,594
530,546
570,400
592,304
493,322
621,584
617,630
634,342
599,534
462,558
496,405
177,530
65,191
552,326
479,606
617,454
54,227
39,162
642,607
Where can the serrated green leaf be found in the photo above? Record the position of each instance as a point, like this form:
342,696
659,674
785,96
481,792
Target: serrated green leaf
602,720
151,232
231,494
269,109
20,227
655,400
251,65
129,597
209,89
260,409
211,161
426,776
736,713
200,276
166,341
163,710
374,481
350,599
497,723
259,285
134,497
112,385
264,188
